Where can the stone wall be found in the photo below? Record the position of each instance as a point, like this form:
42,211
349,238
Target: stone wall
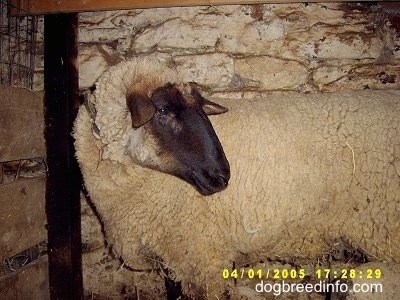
251,48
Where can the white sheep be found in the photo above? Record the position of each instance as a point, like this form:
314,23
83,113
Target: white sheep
306,170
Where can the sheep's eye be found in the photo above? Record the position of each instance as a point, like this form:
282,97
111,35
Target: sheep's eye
162,112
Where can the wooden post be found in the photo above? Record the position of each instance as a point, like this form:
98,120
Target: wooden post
64,179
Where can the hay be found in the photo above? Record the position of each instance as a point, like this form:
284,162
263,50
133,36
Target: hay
21,169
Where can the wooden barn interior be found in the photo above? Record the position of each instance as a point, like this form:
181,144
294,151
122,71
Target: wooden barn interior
48,57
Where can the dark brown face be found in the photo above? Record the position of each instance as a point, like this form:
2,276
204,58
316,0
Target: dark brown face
184,136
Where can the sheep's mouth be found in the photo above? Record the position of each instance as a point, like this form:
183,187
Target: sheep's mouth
208,186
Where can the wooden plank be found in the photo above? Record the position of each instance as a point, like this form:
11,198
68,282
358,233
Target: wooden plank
58,6
29,282
22,124
22,215
64,179
390,5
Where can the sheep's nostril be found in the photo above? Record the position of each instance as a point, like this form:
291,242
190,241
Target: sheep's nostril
221,177
222,181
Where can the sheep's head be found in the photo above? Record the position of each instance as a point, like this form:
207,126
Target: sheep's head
172,133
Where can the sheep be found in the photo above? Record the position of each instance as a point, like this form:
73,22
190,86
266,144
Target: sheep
306,171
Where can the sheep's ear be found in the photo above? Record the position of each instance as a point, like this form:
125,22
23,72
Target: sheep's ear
141,109
209,107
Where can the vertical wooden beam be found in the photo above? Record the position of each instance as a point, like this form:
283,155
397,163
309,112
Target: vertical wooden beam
64,179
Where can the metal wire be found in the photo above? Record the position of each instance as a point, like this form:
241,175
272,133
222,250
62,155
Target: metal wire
17,46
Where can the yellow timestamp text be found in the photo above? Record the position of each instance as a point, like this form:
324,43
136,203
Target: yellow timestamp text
244,273
348,274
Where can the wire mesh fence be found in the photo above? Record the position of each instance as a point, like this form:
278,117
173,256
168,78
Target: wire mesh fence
17,45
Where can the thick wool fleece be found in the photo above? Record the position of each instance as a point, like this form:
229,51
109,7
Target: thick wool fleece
307,170
109,99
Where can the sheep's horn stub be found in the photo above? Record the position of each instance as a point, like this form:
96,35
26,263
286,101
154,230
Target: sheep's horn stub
187,145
